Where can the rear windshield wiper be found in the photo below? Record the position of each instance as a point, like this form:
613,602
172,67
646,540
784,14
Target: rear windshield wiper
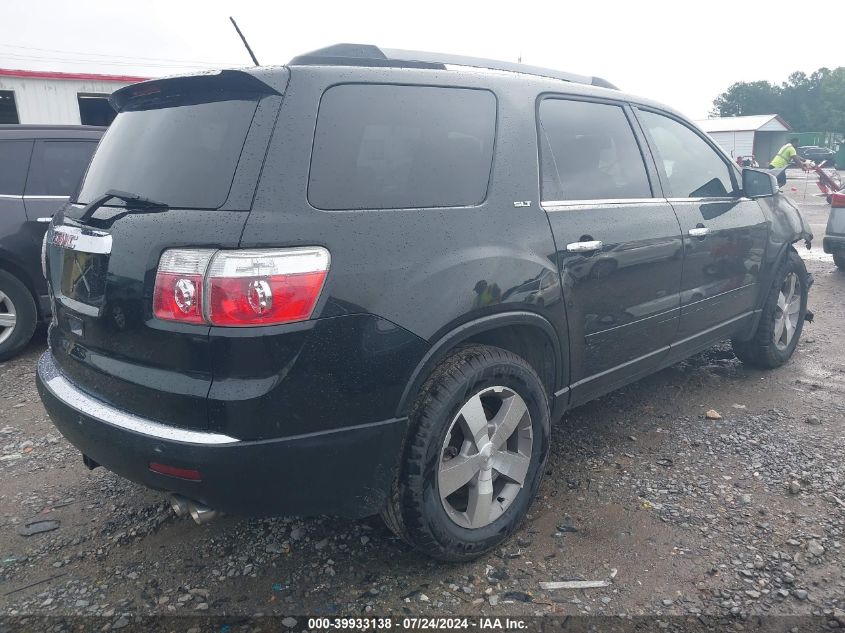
129,198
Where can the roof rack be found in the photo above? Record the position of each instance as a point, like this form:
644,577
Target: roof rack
370,55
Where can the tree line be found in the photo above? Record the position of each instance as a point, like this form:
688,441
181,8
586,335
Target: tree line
814,103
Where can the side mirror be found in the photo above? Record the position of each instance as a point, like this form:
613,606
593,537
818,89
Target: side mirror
758,183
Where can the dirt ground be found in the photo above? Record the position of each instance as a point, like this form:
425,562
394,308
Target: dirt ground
739,516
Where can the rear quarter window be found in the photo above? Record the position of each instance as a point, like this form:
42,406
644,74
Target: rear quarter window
58,166
392,147
14,161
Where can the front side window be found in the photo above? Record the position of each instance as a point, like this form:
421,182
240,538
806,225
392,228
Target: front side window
57,167
691,167
588,152
393,147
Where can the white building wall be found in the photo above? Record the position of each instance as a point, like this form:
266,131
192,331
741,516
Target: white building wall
52,101
735,143
773,126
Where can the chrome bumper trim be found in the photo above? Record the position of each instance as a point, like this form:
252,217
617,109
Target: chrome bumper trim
62,389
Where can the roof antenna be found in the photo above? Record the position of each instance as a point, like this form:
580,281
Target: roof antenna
243,39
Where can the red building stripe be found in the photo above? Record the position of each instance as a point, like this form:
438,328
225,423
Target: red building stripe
44,74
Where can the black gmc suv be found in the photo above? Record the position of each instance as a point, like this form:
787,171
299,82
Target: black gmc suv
39,167
368,281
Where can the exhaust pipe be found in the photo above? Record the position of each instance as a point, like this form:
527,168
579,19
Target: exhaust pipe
201,514
183,507
179,505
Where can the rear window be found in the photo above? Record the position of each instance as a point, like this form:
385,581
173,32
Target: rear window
389,147
183,154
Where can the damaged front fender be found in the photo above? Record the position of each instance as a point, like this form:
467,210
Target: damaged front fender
787,223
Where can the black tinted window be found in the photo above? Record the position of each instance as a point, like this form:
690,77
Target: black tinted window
14,159
692,168
95,109
57,167
183,155
589,152
8,107
388,147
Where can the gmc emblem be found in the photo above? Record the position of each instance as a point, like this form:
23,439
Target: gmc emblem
63,240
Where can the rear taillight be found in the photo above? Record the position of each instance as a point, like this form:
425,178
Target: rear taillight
180,285
837,201
239,288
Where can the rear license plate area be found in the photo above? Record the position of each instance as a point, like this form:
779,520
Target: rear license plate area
79,262
83,277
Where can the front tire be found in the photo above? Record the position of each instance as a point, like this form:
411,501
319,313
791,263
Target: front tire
477,447
18,315
782,319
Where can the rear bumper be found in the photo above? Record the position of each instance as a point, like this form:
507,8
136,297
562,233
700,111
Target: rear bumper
345,472
833,243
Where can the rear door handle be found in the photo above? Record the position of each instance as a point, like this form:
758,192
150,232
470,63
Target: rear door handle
584,247
45,220
699,231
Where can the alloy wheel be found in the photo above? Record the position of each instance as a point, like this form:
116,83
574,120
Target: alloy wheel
485,457
787,311
8,317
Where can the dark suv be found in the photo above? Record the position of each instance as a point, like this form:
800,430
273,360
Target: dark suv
39,168
366,282
818,155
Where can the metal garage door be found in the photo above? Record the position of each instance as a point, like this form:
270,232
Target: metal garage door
735,143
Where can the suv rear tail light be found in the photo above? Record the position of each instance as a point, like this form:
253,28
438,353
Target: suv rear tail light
179,288
837,201
265,286
239,288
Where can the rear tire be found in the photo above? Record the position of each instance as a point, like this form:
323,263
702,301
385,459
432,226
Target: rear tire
18,315
445,433
782,319
839,260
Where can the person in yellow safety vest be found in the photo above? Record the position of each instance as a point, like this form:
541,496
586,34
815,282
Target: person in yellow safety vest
786,155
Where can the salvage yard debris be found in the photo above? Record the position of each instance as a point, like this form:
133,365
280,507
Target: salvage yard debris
37,526
575,584
579,584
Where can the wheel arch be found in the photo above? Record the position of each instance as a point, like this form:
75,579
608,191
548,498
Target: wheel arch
527,334
13,268
767,278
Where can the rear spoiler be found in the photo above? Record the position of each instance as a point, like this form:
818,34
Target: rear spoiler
264,80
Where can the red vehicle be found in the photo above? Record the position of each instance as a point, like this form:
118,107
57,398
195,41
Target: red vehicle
829,181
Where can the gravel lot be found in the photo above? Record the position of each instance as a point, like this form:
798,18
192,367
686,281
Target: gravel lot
738,516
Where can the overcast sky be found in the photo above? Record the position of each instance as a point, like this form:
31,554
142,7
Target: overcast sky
681,53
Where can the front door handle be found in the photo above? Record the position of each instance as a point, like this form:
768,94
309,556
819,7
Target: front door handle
699,231
584,247
45,220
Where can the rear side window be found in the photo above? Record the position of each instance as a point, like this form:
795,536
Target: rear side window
14,160
588,152
390,147
182,152
692,168
57,167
